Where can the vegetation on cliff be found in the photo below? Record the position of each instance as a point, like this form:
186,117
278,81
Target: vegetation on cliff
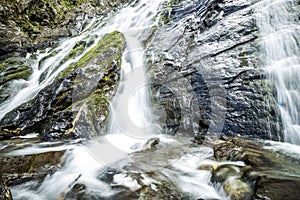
29,25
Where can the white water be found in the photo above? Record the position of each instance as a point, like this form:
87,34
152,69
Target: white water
280,30
131,121
130,115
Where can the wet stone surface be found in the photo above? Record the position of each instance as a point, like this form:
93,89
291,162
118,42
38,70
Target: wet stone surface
210,47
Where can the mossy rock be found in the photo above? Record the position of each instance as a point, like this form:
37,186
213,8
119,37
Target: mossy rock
112,41
76,104
13,69
28,25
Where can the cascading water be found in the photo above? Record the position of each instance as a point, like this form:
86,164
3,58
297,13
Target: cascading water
130,125
280,30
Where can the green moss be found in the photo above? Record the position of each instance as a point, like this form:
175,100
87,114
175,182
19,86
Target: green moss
14,68
23,72
76,51
9,62
104,49
168,6
102,55
164,19
243,59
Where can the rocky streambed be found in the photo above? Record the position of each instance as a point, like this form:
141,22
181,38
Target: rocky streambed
182,168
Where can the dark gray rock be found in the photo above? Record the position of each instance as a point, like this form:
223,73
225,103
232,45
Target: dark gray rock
150,144
206,74
24,168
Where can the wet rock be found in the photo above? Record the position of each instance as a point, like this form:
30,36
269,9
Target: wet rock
277,187
224,172
207,167
79,192
20,169
206,75
150,144
161,191
27,25
5,193
231,178
270,175
244,150
76,104
238,189
12,70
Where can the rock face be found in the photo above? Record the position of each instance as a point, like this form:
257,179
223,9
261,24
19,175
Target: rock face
206,72
28,25
76,104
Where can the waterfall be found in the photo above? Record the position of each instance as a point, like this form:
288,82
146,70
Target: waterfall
280,30
130,120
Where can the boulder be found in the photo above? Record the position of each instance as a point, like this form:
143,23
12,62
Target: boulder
269,175
23,168
233,182
11,70
277,187
76,104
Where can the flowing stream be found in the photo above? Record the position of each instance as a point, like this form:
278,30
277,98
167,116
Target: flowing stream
280,30
131,121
